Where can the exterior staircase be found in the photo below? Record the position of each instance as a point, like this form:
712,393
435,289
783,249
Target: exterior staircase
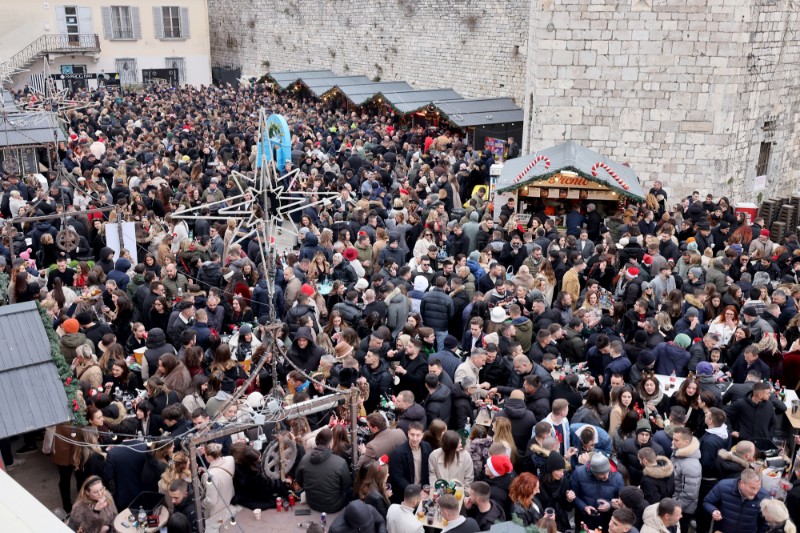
58,43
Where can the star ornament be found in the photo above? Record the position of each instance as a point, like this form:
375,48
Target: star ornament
7,73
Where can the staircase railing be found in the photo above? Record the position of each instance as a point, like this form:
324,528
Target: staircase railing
55,43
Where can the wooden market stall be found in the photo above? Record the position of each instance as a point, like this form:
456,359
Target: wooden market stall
554,179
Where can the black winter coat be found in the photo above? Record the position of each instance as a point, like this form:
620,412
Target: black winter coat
460,408
658,481
380,383
401,468
438,404
522,421
437,309
254,491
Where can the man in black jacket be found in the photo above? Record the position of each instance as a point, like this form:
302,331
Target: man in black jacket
324,476
182,503
408,464
753,417
380,381
438,403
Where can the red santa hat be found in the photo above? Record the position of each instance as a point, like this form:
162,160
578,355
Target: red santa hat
499,465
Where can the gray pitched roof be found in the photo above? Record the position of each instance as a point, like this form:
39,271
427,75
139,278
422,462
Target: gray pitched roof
31,393
359,90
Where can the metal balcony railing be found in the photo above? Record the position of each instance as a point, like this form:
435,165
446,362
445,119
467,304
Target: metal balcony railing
55,43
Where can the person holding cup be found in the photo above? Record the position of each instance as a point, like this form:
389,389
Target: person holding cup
595,486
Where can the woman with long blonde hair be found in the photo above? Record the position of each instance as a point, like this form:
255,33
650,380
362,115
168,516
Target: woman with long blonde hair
501,426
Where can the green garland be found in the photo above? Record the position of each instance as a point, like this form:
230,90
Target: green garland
542,177
64,371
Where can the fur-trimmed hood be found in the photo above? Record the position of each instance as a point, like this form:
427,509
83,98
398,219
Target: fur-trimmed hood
692,300
726,455
692,450
661,470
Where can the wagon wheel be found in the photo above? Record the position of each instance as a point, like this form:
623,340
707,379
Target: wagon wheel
67,240
273,463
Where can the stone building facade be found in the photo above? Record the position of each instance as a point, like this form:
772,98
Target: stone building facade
700,94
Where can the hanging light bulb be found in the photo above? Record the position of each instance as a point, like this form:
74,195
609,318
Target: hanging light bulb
233,520
209,480
113,437
73,434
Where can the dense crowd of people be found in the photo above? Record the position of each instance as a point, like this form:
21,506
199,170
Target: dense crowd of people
519,360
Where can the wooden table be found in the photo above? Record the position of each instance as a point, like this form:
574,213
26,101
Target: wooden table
121,524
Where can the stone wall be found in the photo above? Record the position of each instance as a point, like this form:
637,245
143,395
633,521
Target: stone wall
679,88
475,47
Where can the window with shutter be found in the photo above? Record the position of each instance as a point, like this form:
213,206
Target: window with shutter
171,17
121,22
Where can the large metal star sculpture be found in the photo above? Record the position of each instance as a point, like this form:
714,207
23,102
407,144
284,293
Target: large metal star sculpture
52,99
280,195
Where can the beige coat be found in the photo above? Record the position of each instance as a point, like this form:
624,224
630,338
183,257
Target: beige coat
220,493
461,468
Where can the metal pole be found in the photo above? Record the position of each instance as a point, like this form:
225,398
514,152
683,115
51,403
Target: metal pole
354,422
201,524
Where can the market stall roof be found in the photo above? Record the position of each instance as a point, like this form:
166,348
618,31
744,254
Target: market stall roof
361,94
481,112
410,101
287,79
320,86
21,512
30,387
22,128
404,98
570,156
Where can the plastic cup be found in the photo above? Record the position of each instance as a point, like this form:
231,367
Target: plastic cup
138,354
257,514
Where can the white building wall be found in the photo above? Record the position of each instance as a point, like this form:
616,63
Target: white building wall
23,22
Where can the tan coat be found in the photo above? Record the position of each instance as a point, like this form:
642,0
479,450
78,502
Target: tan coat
383,443
220,493
90,372
461,468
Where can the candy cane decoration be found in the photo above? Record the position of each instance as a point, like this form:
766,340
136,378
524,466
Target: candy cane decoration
611,173
531,165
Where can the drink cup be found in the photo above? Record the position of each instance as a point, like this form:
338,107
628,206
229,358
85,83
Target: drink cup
257,514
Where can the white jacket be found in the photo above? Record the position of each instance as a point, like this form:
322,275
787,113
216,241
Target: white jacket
220,492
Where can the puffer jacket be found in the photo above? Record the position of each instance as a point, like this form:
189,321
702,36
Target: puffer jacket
297,312
438,404
572,346
588,489
156,347
119,274
652,522
325,477
437,309
350,312
398,310
344,272
658,481
671,357
688,474
738,515
311,246
522,421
